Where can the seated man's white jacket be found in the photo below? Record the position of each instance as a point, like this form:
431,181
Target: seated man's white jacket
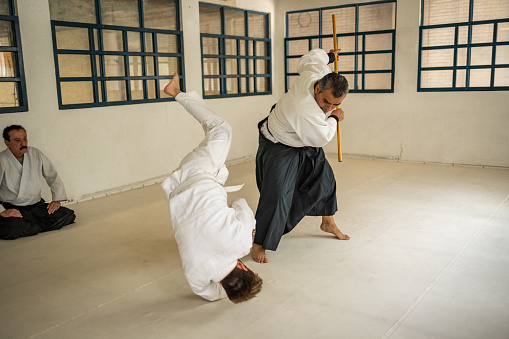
210,235
21,185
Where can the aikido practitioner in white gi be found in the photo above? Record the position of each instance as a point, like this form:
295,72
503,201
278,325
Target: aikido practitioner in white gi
23,212
292,173
211,235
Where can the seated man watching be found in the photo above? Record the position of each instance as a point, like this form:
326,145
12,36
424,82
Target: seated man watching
23,212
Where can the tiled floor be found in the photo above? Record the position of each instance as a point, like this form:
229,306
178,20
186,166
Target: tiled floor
428,258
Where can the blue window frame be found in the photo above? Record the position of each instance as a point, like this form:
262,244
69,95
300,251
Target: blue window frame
464,46
13,95
111,52
366,35
235,50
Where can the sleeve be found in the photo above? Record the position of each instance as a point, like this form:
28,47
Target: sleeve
53,179
315,61
315,131
211,292
248,222
2,173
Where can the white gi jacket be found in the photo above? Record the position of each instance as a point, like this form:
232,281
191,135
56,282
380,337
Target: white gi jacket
297,120
21,184
211,236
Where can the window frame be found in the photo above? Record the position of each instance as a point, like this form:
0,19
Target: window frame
20,79
222,56
320,37
469,45
98,72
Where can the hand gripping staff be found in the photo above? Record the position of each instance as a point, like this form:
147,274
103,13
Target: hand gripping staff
340,156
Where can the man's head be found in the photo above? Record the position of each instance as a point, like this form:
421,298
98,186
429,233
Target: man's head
330,91
15,138
241,284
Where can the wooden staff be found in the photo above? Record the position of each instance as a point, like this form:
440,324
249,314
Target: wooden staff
340,155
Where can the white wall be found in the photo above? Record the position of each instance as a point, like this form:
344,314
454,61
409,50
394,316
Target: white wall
101,149
460,128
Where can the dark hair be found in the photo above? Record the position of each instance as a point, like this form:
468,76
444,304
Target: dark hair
10,128
241,285
335,82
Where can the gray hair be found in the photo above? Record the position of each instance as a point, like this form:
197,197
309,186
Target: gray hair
335,82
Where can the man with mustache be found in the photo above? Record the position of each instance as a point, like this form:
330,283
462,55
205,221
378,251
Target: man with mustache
23,212
292,173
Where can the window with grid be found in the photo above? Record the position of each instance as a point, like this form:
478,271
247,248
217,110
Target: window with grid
115,52
366,35
235,49
464,45
13,97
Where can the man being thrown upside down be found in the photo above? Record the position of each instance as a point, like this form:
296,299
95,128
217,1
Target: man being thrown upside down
211,236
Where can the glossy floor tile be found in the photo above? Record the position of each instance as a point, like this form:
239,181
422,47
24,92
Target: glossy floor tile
428,258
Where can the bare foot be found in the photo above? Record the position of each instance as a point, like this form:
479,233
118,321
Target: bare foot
329,225
173,88
258,254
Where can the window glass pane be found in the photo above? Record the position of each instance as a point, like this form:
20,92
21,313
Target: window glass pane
160,14
345,20
243,85
261,84
149,44
298,47
230,46
234,22
250,48
116,90
8,64
503,31
291,80
72,38
491,9
463,35
231,66
136,89
114,65
347,44
434,79
112,40
74,65
162,84
438,36
120,13
242,47
379,42
210,66
251,84
377,81
502,77
303,24
134,41
168,65
6,34
232,86
437,58
135,66
167,43
378,62
4,8
377,17
261,49
151,89
210,45
461,78
77,92
434,13
73,10
482,33
261,67
257,25
345,63
9,94
480,77
480,56
210,19
211,87
462,57
251,66
292,65
502,56
149,61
